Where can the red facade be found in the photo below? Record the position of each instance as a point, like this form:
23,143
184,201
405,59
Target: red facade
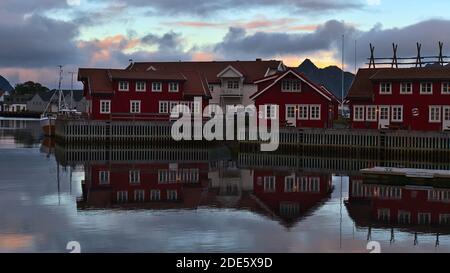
301,103
403,98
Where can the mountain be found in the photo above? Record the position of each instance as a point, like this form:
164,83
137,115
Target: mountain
330,77
4,85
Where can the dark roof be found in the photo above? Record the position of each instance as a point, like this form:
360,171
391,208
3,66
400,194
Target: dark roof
362,87
252,70
146,75
77,94
98,80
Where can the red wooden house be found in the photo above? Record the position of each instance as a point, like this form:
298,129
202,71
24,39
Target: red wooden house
401,98
301,102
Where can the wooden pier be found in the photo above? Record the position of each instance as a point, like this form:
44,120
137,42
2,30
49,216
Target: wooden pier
82,130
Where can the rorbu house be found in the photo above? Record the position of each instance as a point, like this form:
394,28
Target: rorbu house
150,90
301,103
408,98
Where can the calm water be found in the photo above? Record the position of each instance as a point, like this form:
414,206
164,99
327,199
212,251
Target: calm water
204,199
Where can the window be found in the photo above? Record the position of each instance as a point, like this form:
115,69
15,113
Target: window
172,195
173,87
385,88
163,107
103,177
384,113
135,106
122,196
444,219
139,195
135,177
358,113
211,88
371,113
445,88
447,113
290,111
156,87
291,85
140,86
289,209
397,113
423,218
406,88
155,195
105,107
404,217
426,88
271,111
303,111
269,184
435,114
232,84
290,184
123,86
196,107
384,215
314,112
163,176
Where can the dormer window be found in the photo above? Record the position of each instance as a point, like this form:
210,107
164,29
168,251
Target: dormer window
406,88
291,86
173,87
446,88
140,86
156,87
426,88
232,84
123,86
386,88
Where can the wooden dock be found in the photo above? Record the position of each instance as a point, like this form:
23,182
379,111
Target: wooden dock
407,172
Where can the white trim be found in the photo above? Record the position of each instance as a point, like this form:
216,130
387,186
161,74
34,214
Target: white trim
109,106
439,107
134,180
303,107
174,90
392,113
157,90
291,83
124,90
167,107
362,114
273,112
311,106
139,106
152,68
375,113
388,112
267,78
286,111
426,93
401,88
448,88
228,68
386,92
253,97
141,90
107,176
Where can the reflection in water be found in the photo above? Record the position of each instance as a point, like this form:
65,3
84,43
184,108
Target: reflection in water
19,133
173,197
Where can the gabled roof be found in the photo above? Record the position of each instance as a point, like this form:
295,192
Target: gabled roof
145,75
270,81
251,70
98,80
230,67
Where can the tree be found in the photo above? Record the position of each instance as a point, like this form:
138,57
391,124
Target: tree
30,88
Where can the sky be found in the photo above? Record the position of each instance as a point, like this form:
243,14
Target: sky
38,35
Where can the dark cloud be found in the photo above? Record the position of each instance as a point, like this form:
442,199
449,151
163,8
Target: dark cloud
206,7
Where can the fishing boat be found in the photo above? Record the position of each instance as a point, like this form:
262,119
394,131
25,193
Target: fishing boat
48,118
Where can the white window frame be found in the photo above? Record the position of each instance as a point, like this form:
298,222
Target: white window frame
406,85
144,89
172,195
291,86
162,109
139,195
430,112
290,106
273,112
301,110
291,188
270,181
104,180
158,194
122,196
233,84
108,102
422,84
154,89
375,114
123,88
358,117
134,177
174,84
428,216
393,116
315,106
445,88
384,90
135,111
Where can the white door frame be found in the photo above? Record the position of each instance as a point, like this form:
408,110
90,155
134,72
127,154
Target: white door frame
384,123
445,122
293,120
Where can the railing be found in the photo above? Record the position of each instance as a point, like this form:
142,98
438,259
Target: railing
232,92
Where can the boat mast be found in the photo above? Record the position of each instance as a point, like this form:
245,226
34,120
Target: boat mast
71,89
60,98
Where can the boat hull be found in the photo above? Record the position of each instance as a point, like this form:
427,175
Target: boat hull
48,125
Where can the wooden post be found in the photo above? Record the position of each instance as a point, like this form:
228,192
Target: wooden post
419,57
372,57
394,59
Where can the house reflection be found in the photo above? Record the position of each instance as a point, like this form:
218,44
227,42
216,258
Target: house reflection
413,206
163,183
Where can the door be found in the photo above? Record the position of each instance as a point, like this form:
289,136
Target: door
446,118
384,117
291,115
